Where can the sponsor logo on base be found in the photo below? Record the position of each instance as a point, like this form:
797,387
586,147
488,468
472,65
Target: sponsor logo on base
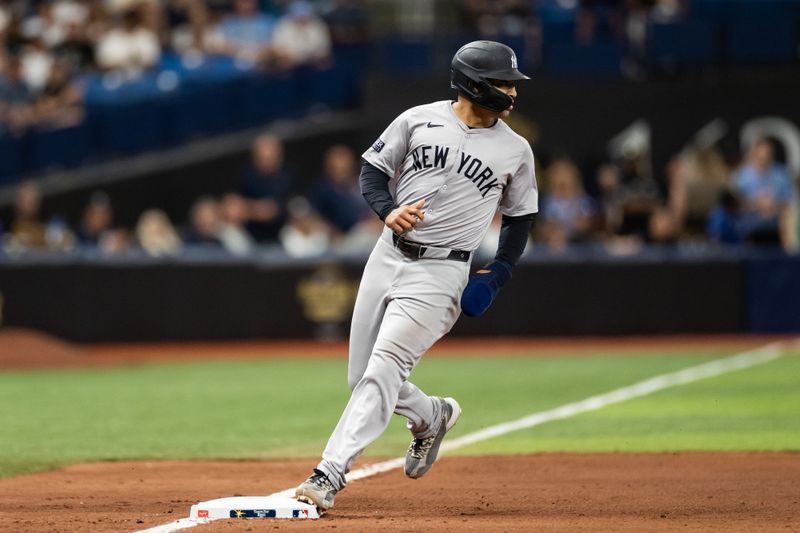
253,513
202,513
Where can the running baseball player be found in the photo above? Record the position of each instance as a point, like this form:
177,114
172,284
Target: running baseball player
435,177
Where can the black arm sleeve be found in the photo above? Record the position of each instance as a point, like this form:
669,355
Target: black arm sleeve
513,237
375,189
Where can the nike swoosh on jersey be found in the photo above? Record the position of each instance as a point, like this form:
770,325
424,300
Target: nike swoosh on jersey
435,125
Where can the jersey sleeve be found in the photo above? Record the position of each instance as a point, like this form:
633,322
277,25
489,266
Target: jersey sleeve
521,196
389,150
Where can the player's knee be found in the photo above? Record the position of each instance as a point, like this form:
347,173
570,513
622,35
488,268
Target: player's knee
386,371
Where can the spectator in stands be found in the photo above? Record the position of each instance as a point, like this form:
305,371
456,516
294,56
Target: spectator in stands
36,63
97,226
156,235
60,103
667,11
58,235
16,111
586,19
636,27
128,47
496,18
766,192
232,231
66,15
301,37
266,187
348,23
187,27
724,224
5,19
500,20
697,178
246,34
42,25
81,33
305,234
27,229
662,227
205,223
337,196
12,36
640,195
96,221
567,211
610,198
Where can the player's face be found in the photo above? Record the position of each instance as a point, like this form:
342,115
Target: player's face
508,87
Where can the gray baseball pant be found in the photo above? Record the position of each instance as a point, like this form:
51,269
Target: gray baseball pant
403,307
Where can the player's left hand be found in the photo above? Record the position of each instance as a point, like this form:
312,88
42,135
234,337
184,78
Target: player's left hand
483,287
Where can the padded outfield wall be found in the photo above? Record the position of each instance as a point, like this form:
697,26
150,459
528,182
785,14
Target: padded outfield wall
213,297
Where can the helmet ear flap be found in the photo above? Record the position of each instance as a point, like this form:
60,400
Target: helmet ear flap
480,92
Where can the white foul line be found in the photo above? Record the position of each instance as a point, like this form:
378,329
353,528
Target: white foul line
717,367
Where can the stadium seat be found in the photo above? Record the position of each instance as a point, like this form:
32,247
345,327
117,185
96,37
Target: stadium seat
406,56
269,97
689,43
11,161
763,32
65,147
602,59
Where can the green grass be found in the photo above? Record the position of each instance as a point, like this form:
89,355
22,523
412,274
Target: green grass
287,408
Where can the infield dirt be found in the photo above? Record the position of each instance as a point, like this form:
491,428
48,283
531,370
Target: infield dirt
546,492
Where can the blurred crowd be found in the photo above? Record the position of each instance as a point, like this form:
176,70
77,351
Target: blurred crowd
263,211
626,22
46,45
706,200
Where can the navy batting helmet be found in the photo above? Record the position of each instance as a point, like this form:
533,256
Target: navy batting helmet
478,62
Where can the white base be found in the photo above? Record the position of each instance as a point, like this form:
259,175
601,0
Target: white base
252,507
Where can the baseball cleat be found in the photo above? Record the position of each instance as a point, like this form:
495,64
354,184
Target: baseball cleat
422,452
317,490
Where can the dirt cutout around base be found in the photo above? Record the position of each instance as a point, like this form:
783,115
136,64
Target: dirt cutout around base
543,492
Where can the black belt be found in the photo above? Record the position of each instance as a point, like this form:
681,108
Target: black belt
416,250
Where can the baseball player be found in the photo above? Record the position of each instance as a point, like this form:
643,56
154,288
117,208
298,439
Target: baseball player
435,177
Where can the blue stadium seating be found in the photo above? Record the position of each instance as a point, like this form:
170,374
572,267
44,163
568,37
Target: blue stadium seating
10,158
406,56
762,32
603,59
687,43
65,147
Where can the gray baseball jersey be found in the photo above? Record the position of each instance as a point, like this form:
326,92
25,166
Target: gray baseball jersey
461,172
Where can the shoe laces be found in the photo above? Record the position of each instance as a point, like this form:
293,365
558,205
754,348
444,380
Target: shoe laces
421,447
319,479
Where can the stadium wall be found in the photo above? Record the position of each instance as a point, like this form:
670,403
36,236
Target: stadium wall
112,300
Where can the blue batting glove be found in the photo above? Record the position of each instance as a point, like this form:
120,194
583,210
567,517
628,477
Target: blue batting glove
483,286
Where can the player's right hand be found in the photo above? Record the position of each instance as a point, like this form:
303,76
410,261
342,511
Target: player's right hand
405,217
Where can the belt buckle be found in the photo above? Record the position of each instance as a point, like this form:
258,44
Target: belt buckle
409,249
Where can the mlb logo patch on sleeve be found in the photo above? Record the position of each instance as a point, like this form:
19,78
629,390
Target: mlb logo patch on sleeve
378,145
